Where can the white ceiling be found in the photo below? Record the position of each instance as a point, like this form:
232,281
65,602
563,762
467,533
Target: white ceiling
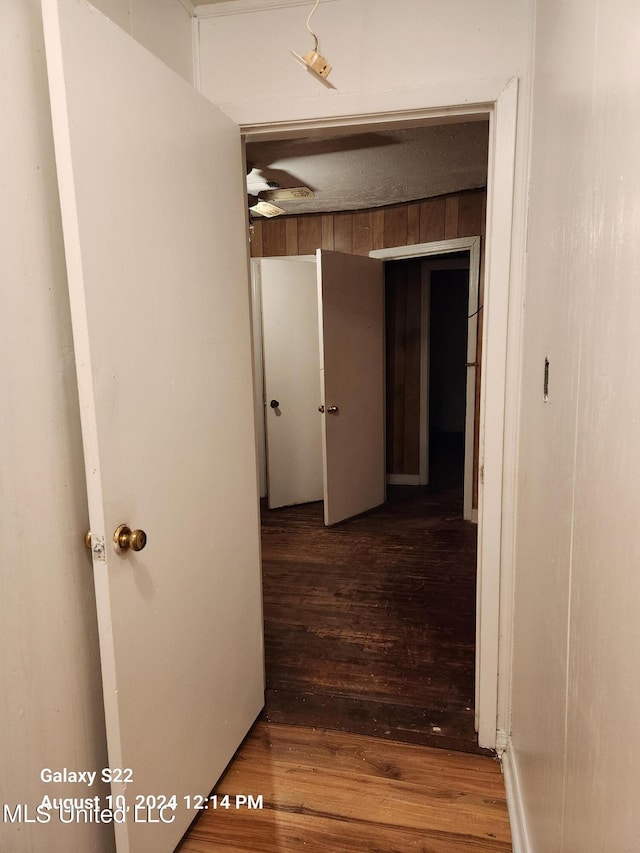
363,170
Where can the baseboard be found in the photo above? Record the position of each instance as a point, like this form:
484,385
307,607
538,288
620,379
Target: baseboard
403,479
515,804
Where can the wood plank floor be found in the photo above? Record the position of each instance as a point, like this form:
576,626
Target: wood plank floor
369,631
332,792
370,625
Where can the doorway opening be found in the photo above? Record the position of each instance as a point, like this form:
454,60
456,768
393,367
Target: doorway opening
385,645
432,702
497,424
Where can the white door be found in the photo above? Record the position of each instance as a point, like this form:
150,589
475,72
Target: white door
351,304
151,188
291,349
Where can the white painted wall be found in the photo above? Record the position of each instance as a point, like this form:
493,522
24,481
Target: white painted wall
162,26
49,668
408,53
576,690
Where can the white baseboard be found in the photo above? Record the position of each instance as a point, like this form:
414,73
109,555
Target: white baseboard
515,804
403,479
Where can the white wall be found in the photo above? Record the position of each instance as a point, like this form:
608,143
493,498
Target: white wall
405,54
576,690
49,668
162,26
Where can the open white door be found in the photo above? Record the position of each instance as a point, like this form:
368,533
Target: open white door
291,349
151,188
351,307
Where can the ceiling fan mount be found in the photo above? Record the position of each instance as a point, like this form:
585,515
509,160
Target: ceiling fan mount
268,192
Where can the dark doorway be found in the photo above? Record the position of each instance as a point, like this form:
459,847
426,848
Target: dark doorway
448,373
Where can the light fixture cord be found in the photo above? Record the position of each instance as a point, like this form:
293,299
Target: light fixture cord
315,37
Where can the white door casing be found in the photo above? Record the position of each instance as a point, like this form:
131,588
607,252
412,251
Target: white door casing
351,309
291,350
150,179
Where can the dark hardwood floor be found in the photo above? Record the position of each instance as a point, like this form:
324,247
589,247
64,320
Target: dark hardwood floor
370,625
370,658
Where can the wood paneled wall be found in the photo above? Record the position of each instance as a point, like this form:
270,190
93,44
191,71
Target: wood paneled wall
358,232
403,309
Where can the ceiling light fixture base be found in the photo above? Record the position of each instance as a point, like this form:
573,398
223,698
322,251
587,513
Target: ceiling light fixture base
316,65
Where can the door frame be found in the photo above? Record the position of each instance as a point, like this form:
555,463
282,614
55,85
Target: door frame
502,332
427,250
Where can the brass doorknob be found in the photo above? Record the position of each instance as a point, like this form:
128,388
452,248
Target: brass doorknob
126,538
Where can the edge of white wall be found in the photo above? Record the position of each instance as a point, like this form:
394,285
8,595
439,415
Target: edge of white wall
403,479
515,802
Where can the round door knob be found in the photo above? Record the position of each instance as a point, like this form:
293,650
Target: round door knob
274,404
126,538
332,410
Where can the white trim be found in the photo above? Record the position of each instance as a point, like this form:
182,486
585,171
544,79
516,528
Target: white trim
520,840
498,99
346,123
426,250
418,250
502,741
195,54
403,479
495,496
242,7
188,6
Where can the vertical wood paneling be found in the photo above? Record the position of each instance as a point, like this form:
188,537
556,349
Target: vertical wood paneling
403,325
413,224
395,226
274,238
451,217
470,214
256,239
343,232
377,220
432,220
291,235
362,233
309,234
327,232
445,217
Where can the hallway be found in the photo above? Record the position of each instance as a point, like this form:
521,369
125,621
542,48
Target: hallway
369,630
